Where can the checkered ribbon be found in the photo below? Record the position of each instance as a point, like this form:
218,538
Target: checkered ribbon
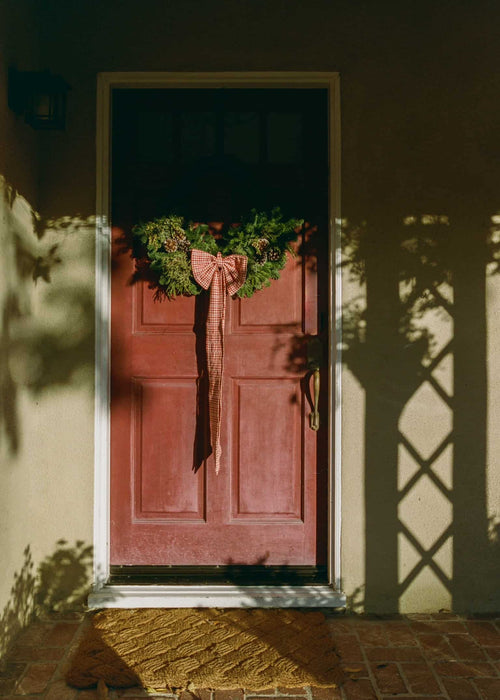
224,276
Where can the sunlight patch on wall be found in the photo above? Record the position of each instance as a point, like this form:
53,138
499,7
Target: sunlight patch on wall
435,321
408,557
407,467
46,308
426,421
353,402
353,489
442,466
444,558
493,402
443,374
427,593
16,238
425,512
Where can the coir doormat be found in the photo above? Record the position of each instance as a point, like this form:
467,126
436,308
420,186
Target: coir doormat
162,649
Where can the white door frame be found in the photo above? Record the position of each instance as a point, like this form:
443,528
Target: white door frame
104,594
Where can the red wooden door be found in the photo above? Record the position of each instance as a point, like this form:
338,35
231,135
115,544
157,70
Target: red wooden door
268,503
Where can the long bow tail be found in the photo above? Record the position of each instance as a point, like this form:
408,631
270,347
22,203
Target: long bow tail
223,276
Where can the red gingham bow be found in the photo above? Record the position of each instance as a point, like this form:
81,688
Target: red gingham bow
224,276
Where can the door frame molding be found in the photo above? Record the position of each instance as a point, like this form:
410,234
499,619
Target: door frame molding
103,594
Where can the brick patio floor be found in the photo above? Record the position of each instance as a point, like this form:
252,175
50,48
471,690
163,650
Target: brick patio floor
415,656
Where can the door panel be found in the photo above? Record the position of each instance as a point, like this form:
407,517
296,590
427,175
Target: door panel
268,503
168,493
273,491
152,317
257,314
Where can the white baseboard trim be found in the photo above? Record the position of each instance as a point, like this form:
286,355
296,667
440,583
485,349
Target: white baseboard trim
216,597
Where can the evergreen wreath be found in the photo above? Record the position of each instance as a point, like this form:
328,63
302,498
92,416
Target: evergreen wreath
263,238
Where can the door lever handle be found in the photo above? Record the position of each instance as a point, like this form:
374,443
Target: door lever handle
314,355
314,415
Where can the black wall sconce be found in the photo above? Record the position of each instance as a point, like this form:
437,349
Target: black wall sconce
40,96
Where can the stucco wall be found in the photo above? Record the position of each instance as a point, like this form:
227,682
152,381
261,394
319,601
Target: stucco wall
420,172
46,372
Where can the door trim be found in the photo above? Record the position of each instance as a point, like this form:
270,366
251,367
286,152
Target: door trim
105,595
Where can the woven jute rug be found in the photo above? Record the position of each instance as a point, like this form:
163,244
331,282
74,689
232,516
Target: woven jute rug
162,650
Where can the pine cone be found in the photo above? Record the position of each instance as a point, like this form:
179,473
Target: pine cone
260,244
261,259
170,245
274,255
184,244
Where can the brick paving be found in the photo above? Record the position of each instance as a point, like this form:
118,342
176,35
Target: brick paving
424,657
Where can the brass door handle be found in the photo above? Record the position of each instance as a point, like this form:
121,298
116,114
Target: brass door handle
314,415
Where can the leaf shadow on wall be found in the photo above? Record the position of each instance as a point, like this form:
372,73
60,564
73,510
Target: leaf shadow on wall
59,584
46,316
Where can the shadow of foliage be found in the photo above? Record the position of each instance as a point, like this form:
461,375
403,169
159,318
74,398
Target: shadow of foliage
355,601
419,254
9,419
63,578
45,355
59,584
19,611
46,333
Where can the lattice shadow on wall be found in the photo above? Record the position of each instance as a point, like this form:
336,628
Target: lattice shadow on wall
414,336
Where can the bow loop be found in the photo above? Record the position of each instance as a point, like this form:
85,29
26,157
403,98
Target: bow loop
205,265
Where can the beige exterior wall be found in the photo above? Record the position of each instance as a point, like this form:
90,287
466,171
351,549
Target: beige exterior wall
420,173
46,368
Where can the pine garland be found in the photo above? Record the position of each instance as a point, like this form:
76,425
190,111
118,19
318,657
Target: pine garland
263,238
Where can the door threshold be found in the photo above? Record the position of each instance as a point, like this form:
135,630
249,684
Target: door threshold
225,596
222,575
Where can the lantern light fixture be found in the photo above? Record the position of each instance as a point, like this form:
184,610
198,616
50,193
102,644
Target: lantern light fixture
40,96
